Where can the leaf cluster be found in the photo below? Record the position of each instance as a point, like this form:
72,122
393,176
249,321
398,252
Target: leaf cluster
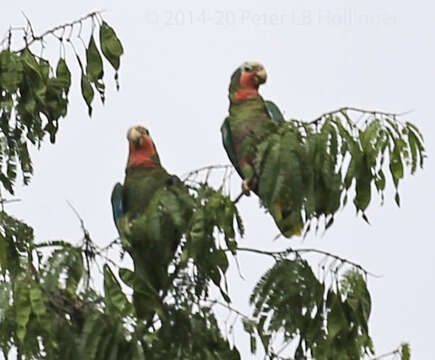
312,167
324,322
34,95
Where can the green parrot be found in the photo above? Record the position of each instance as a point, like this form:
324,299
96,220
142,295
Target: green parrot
147,229
249,116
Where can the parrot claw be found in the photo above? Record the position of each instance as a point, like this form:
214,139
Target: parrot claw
245,187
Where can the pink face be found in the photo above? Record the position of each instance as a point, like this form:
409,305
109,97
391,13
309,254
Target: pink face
252,76
142,149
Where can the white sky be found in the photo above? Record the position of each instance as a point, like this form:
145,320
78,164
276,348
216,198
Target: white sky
174,79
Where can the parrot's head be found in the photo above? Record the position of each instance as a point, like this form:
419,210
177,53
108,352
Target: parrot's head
246,80
143,152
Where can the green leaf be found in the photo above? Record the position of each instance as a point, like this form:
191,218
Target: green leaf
220,259
396,165
37,300
87,92
94,62
113,292
110,45
363,188
44,67
33,75
249,327
417,142
11,71
336,318
405,351
91,336
22,307
74,268
380,181
3,254
63,75
127,276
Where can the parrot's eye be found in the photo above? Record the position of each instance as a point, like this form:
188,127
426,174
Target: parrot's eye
147,132
247,68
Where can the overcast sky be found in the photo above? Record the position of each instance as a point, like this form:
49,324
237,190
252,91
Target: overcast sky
174,76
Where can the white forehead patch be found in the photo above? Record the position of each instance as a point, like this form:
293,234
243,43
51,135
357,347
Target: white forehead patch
135,133
249,65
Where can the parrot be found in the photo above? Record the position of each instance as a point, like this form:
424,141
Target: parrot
152,239
249,113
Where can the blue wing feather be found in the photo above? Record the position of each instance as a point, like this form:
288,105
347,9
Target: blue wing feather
274,111
117,205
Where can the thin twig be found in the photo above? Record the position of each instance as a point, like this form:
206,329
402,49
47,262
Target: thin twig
205,168
112,243
87,242
391,353
56,28
283,253
29,25
236,200
350,108
230,308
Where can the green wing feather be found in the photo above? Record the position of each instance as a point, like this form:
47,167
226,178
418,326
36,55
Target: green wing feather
227,140
246,118
117,205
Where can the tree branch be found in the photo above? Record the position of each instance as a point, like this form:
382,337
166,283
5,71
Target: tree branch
230,308
186,176
236,200
350,108
88,243
284,253
391,353
35,38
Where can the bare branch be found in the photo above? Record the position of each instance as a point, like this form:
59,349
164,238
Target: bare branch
230,308
205,168
284,253
34,38
89,247
391,353
369,112
236,200
8,201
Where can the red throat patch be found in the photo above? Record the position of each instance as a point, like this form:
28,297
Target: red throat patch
249,87
143,155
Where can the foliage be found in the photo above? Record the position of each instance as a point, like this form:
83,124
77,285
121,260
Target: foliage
34,92
313,165
50,308
290,299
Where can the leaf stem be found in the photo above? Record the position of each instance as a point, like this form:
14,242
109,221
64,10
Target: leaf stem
284,253
350,108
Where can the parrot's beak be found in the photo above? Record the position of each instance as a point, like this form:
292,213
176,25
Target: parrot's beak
135,136
261,76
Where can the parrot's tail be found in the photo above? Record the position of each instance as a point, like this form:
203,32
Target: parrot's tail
289,222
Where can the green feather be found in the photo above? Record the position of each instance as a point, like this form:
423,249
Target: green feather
229,147
117,205
245,133
156,210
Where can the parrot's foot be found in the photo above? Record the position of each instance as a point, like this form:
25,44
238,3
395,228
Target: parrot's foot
246,188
